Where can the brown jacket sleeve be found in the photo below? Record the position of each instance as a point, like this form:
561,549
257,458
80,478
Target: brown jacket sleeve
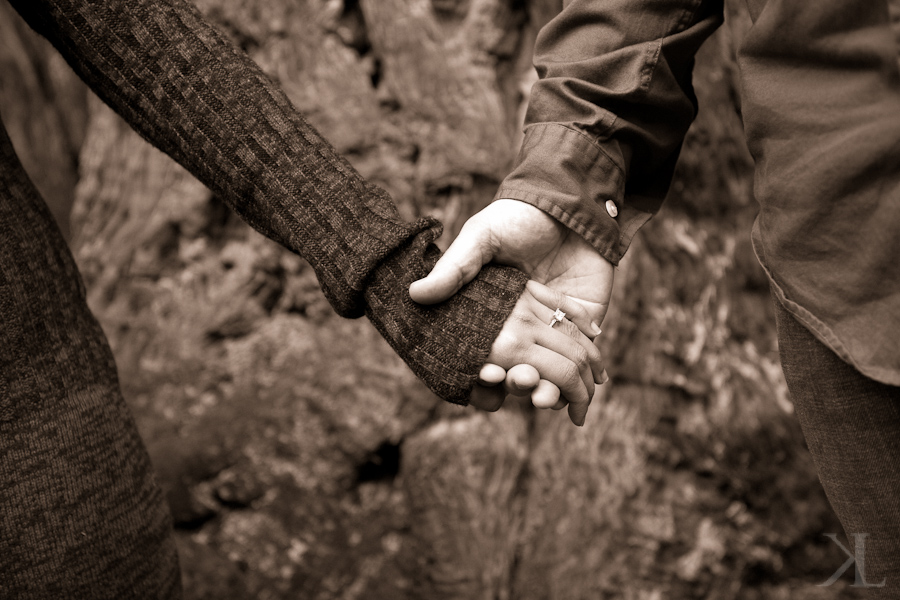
608,115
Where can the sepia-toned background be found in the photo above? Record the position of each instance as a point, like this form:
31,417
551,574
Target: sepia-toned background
300,456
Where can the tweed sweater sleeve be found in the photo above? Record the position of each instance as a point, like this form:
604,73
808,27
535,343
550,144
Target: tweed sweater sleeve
193,94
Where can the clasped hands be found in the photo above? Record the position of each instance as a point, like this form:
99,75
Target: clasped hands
556,365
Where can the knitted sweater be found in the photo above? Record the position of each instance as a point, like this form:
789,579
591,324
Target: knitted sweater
189,91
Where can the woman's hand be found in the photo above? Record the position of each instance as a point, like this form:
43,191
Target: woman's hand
541,359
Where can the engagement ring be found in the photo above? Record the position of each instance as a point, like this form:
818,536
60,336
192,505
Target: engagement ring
558,316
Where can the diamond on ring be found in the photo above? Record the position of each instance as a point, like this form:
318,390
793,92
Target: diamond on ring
558,316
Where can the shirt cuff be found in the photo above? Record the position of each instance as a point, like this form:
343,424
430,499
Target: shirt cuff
572,176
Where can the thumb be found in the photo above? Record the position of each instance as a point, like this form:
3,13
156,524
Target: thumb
470,251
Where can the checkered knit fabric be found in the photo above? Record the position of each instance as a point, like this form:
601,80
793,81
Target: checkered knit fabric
81,516
187,89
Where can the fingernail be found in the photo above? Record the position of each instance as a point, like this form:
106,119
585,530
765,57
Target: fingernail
596,328
604,376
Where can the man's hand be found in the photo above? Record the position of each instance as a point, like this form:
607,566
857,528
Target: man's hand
518,234
514,233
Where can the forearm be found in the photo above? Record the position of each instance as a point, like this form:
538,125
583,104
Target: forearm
191,93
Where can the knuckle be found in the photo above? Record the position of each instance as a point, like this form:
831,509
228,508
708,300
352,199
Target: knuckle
571,329
558,298
571,376
581,356
507,344
523,318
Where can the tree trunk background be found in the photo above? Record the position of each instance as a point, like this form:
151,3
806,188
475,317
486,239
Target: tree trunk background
301,457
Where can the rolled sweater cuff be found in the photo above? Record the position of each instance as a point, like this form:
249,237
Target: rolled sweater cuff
446,344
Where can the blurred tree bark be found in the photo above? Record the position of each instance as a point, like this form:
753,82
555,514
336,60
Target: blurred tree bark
301,457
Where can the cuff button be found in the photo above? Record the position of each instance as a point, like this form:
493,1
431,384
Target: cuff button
612,209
